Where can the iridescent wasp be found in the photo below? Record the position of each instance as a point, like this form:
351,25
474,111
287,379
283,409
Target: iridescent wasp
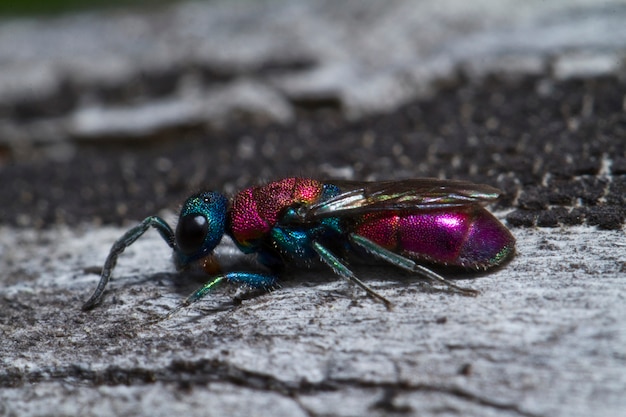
299,220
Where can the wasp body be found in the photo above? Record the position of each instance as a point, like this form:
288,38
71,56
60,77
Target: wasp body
300,220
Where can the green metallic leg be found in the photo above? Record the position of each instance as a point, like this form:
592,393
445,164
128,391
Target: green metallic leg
405,263
342,270
262,281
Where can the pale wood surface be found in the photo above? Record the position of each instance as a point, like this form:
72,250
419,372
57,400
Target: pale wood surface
546,337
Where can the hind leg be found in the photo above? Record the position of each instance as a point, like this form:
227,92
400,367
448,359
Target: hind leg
405,263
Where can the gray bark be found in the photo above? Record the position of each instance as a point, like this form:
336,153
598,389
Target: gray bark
546,336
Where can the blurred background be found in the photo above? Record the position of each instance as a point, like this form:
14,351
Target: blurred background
43,8
110,112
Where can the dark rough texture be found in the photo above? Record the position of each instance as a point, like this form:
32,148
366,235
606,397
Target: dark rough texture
107,118
545,168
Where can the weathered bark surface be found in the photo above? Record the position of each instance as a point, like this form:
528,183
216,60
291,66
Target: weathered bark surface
546,336
105,118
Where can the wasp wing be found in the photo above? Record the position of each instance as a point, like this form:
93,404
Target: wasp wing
407,195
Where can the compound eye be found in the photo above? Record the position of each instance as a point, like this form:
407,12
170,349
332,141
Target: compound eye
191,232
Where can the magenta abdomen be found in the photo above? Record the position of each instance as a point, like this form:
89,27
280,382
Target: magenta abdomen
469,237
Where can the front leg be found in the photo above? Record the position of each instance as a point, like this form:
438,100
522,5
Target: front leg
118,247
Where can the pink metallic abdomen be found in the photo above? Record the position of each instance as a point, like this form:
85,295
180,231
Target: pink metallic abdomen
470,237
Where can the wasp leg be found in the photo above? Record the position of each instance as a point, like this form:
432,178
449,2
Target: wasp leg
342,270
262,281
405,263
118,247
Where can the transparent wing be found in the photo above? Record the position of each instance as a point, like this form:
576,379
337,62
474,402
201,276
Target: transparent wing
406,195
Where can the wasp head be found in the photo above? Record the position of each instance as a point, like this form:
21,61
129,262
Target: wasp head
200,226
